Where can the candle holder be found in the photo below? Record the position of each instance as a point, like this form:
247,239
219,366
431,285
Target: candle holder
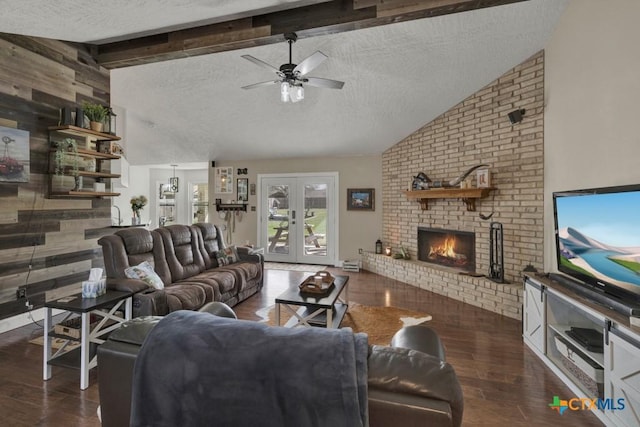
387,251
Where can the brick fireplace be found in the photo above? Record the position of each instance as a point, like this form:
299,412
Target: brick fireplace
475,131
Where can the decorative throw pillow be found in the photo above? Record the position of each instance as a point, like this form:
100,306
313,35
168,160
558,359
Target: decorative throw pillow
226,256
144,271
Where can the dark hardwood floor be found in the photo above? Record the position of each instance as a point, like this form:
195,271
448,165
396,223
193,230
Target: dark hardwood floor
504,383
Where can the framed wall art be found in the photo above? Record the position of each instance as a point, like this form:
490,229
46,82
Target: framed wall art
361,199
483,178
243,189
223,179
14,161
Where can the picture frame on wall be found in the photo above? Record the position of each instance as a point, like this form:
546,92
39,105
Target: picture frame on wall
361,199
243,189
15,159
483,177
223,179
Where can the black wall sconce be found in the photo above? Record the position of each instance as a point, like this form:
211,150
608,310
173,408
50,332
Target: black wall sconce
242,171
516,116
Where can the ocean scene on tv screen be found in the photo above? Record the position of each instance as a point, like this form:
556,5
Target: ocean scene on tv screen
599,235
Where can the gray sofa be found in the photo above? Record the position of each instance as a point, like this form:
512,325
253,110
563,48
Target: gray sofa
183,256
407,386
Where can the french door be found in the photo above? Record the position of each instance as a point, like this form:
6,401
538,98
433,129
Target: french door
298,218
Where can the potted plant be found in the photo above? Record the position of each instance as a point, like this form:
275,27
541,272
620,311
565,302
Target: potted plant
137,203
62,157
96,114
66,154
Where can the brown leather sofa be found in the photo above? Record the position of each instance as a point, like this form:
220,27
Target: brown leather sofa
406,387
183,256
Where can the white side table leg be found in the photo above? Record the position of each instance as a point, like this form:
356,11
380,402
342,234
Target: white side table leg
128,308
46,368
84,351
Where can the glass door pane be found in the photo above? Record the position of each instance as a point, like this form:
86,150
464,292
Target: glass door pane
200,203
315,219
167,214
277,204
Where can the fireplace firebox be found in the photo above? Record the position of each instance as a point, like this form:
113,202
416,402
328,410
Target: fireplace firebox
450,248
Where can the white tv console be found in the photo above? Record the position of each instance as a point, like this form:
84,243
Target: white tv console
550,309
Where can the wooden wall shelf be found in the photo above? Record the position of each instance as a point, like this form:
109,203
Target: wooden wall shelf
231,207
90,145
467,195
82,132
73,193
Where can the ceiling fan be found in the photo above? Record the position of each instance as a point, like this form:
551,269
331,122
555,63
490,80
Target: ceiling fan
291,77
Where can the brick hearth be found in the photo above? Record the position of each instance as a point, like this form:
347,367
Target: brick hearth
501,298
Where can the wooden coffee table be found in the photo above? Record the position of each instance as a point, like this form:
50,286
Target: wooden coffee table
308,310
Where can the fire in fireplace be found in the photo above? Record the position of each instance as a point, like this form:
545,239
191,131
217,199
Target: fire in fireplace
450,248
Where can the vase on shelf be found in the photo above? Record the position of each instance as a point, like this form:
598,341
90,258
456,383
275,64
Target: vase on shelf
135,220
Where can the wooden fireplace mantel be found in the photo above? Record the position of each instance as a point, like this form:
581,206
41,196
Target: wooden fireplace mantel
467,195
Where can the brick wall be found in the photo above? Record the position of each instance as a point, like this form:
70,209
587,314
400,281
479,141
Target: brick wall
475,131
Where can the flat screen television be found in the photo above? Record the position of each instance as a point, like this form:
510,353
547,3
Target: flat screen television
598,239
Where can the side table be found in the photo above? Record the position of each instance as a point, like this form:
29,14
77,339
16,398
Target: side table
253,251
105,307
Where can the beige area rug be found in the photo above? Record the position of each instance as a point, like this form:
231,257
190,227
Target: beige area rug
379,323
56,343
293,267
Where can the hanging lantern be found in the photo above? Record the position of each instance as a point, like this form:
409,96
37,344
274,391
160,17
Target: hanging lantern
378,246
111,122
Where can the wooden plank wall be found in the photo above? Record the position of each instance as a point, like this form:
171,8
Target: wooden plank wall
46,245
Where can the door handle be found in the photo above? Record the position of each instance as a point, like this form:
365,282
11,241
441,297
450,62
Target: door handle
293,217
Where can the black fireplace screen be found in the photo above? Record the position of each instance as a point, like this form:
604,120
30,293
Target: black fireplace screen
450,248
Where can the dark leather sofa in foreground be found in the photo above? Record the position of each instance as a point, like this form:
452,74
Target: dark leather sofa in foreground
406,387
184,258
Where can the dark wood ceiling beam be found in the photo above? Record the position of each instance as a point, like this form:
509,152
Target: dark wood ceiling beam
308,21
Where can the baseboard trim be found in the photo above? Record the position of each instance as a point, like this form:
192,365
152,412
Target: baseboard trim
23,319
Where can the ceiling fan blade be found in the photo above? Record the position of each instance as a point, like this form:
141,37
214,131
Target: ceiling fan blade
270,82
309,63
325,83
263,64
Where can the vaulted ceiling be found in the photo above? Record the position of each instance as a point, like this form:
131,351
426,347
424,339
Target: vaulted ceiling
177,69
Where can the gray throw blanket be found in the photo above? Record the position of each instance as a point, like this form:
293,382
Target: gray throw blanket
195,369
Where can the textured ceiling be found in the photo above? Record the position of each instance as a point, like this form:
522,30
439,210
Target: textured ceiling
398,78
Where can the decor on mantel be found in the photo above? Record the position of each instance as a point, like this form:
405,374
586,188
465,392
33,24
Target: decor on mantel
96,114
137,203
423,182
483,178
467,195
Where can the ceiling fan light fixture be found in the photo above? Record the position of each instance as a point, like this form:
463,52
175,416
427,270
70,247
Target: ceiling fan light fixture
291,76
296,93
285,89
